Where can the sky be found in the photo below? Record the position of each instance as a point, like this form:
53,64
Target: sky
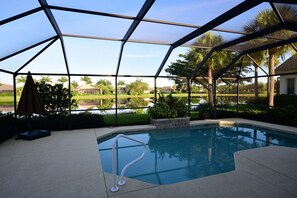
99,56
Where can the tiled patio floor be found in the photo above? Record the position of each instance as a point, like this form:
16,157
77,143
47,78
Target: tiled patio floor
67,164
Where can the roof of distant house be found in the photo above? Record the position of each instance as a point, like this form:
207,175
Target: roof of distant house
5,87
87,86
289,65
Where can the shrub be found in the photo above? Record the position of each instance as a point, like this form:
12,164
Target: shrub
204,111
168,107
285,100
55,98
286,116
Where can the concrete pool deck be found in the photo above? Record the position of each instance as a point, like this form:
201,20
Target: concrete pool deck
67,164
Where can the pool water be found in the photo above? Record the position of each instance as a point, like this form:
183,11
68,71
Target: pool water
175,155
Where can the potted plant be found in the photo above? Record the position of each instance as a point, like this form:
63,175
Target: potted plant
169,112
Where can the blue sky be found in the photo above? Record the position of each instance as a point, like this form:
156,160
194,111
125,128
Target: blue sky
98,56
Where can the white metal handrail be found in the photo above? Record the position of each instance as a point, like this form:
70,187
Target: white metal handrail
121,181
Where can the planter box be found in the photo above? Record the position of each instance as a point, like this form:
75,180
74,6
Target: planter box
171,122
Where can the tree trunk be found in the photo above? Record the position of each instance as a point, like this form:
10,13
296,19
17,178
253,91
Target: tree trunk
271,79
256,81
210,88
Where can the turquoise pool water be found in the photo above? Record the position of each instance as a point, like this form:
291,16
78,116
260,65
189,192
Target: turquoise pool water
175,155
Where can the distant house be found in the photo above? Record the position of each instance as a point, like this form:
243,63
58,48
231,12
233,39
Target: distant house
87,89
288,83
4,88
167,89
149,90
122,89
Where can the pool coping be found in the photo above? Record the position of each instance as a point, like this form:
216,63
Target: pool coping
239,156
67,164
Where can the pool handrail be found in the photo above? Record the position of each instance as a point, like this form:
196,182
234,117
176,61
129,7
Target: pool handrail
121,181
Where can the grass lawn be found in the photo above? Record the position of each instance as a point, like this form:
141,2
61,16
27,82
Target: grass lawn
126,119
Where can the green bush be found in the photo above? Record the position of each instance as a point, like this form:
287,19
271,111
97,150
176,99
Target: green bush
285,100
7,126
257,100
283,115
168,107
55,98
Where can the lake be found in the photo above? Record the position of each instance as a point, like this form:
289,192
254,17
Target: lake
128,105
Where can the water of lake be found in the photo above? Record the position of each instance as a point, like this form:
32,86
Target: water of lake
127,105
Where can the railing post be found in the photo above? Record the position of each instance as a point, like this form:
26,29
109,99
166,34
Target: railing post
121,182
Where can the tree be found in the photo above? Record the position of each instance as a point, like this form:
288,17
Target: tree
63,80
46,79
265,19
121,83
55,98
104,86
87,80
137,88
259,58
74,84
184,67
21,79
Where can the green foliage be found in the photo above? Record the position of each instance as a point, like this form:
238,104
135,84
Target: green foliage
204,111
87,80
126,119
168,107
137,88
46,79
74,84
121,83
286,116
54,97
104,86
7,126
257,100
63,79
285,100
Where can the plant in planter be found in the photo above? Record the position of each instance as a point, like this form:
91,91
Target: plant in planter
167,108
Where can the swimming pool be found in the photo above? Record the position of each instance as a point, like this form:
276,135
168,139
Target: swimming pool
175,155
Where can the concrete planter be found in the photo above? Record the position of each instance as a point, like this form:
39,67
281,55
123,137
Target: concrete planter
171,122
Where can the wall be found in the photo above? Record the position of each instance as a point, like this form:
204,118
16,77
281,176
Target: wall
283,83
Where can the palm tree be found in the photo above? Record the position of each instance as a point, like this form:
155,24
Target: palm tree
63,80
46,79
21,79
215,62
86,79
268,18
194,56
121,83
74,84
259,58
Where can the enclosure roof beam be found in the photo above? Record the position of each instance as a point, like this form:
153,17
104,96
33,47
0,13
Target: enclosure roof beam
55,25
255,63
235,11
223,70
144,19
35,56
20,16
50,17
240,40
145,8
271,45
264,47
28,48
6,71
